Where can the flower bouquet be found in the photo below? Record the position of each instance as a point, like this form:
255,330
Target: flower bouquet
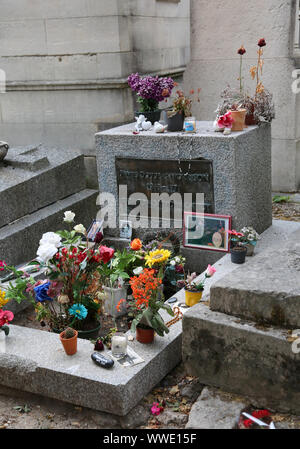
250,239
150,91
69,295
6,316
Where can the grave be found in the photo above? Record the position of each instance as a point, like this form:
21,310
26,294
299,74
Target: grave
233,172
37,185
243,341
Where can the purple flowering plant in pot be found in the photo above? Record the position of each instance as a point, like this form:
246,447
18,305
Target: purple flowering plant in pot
150,90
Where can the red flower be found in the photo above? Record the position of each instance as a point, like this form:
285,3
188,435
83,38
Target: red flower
106,254
235,233
98,237
262,43
5,317
248,423
241,51
259,414
136,245
2,265
225,121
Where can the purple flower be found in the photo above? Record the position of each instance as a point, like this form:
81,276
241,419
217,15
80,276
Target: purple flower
151,87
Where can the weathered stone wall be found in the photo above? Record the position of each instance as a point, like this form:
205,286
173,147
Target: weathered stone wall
218,28
67,63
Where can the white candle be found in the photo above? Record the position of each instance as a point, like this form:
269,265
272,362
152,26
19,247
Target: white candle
2,342
119,345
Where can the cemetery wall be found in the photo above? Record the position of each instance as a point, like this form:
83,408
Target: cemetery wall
67,64
218,29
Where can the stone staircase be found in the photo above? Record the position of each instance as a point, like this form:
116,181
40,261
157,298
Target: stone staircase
37,185
241,342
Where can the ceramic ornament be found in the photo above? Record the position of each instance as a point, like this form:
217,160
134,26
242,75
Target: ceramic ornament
139,120
146,125
159,128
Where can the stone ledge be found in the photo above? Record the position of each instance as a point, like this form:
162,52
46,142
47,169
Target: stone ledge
238,357
36,362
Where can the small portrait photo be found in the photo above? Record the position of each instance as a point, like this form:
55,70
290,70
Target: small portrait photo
125,229
95,227
206,231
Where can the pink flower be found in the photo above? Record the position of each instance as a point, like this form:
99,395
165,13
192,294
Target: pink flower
5,317
2,265
210,271
156,409
106,254
225,121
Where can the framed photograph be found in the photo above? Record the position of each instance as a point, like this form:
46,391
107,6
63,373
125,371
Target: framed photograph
95,227
206,231
125,229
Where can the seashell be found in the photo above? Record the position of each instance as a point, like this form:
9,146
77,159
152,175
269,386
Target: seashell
159,128
146,125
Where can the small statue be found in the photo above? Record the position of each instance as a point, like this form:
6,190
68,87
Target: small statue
146,125
159,128
139,120
3,150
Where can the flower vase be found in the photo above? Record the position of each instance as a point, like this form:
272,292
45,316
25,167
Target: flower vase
192,298
112,298
238,120
144,335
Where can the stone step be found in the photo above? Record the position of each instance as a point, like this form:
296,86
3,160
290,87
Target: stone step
265,289
35,362
34,177
19,241
236,356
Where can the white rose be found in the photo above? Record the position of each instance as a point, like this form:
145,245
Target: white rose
177,259
138,270
80,229
173,262
50,238
69,216
46,251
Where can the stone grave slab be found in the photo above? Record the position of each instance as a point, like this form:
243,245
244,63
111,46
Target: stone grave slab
266,289
36,362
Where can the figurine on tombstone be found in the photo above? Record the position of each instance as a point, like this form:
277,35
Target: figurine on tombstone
3,150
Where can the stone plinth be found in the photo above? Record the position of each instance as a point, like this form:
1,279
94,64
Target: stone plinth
241,165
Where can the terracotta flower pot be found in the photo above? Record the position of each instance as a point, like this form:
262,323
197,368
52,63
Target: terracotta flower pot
69,344
238,120
145,336
192,298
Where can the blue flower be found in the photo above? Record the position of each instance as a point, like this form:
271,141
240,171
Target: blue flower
79,311
41,292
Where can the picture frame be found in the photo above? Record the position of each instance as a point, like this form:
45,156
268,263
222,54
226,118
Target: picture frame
207,231
95,227
125,229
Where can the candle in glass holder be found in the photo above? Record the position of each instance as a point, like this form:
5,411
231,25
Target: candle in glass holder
119,345
190,125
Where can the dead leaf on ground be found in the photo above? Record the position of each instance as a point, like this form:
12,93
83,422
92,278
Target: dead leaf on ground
174,390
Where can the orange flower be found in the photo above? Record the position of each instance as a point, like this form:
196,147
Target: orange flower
136,244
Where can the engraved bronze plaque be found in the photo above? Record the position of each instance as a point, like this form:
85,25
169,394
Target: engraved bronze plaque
170,176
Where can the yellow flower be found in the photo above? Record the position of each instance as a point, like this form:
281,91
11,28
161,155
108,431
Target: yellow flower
157,256
3,301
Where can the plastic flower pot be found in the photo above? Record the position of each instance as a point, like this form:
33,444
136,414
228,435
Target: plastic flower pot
175,122
152,116
192,298
69,344
144,336
238,254
238,120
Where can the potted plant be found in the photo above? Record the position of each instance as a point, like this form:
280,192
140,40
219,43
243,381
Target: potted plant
69,340
250,239
145,306
193,289
238,251
68,296
181,109
150,91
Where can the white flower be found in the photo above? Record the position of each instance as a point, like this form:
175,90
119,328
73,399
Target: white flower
138,270
50,238
69,216
46,251
173,262
80,229
177,259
